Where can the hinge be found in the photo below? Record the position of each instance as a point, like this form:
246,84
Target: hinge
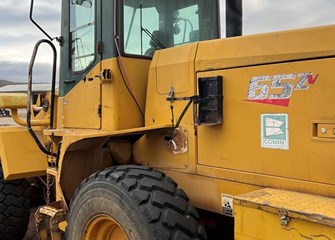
100,47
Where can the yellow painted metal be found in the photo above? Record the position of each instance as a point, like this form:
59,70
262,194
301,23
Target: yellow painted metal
170,68
59,193
254,224
104,227
20,156
326,130
308,216
48,218
205,192
59,113
23,122
266,48
80,107
119,110
309,159
79,134
265,180
13,100
102,101
229,156
174,69
218,159
59,196
72,136
297,205
163,154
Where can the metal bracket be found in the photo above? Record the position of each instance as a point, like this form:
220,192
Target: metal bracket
171,98
48,218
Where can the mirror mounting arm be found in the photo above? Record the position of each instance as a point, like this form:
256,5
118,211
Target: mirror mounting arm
58,39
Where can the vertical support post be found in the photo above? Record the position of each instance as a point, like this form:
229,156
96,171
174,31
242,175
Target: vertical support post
233,18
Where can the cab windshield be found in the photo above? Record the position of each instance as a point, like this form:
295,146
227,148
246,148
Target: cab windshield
149,25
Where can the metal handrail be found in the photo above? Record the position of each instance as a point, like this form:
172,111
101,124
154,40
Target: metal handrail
30,95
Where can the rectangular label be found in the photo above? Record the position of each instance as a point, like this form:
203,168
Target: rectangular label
274,131
227,205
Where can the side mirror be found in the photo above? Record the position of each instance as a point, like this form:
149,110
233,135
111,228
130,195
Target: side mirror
84,3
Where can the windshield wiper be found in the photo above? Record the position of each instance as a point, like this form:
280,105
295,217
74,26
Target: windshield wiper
161,45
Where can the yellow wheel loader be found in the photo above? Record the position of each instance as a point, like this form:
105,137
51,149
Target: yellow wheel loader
159,129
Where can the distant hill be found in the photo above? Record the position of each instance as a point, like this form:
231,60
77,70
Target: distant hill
5,82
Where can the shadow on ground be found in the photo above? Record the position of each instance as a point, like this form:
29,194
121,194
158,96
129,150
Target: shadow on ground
31,232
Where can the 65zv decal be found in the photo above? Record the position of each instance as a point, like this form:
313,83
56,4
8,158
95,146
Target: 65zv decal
278,89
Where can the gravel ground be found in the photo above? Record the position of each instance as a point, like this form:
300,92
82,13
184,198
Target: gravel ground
6,121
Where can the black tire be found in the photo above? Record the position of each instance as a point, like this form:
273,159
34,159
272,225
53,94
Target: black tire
14,208
144,202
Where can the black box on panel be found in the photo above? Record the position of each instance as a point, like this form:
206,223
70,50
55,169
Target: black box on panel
210,100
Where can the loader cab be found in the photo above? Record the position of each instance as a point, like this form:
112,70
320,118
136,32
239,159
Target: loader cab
90,27
107,43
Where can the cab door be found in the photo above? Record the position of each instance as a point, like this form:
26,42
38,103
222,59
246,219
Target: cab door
80,71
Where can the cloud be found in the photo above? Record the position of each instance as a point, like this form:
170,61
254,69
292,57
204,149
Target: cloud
18,71
16,26
18,37
267,16
260,16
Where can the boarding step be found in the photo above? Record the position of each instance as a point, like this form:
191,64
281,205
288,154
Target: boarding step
48,218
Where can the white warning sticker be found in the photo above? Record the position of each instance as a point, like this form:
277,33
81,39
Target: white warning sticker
274,131
227,205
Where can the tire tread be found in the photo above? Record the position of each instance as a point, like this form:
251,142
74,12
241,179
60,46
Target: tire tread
14,208
163,204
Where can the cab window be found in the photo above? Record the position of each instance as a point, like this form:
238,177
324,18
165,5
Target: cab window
186,25
82,34
138,23
152,25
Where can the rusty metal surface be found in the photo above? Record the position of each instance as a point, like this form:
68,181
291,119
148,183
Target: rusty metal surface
47,219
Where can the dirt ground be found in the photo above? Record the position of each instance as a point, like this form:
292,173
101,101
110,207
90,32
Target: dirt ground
31,232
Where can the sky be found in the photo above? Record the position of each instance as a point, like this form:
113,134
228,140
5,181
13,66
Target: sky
18,35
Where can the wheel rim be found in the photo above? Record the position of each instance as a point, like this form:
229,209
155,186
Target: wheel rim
105,228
